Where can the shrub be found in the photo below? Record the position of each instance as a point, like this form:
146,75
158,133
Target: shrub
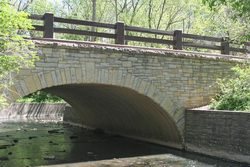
234,92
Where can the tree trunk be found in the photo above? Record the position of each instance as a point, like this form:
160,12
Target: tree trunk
93,17
116,11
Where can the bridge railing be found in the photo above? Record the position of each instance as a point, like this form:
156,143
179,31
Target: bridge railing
179,39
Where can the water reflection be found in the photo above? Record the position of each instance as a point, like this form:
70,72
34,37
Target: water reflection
40,142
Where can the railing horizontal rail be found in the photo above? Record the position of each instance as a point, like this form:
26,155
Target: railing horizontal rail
86,23
246,43
199,37
36,17
177,41
148,30
239,50
38,28
82,32
202,46
148,40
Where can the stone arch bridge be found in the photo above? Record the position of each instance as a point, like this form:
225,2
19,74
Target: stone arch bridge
136,92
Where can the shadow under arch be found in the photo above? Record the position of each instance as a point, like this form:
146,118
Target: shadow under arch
120,110
116,102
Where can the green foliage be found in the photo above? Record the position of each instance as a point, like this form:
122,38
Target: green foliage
234,92
40,97
15,51
237,10
240,8
191,16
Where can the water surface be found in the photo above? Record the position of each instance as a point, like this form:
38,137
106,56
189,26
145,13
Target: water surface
48,142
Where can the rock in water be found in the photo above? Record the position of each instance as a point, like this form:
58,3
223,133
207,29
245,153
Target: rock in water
73,137
3,147
50,157
4,158
15,140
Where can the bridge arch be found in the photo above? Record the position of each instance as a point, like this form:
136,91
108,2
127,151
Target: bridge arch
117,102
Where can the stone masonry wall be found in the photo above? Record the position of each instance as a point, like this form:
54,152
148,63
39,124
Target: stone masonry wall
172,80
185,78
223,134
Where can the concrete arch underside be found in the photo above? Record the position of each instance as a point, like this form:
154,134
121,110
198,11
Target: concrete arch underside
120,110
122,105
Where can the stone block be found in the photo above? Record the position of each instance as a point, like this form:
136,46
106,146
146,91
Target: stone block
200,90
90,65
124,77
54,77
84,75
90,75
151,91
49,80
157,96
73,75
172,66
127,80
119,78
168,105
127,64
134,84
115,77
79,75
191,82
24,87
47,50
19,89
24,72
68,75
63,76
63,65
30,84
14,92
46,64
176,93
37,81
58,76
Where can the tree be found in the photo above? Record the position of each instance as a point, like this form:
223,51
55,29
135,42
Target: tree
15,51
93,17
240,8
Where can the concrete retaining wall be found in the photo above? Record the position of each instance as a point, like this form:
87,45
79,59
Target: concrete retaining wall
223,134
33,110
71,116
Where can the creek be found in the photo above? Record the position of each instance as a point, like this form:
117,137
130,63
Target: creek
25,142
